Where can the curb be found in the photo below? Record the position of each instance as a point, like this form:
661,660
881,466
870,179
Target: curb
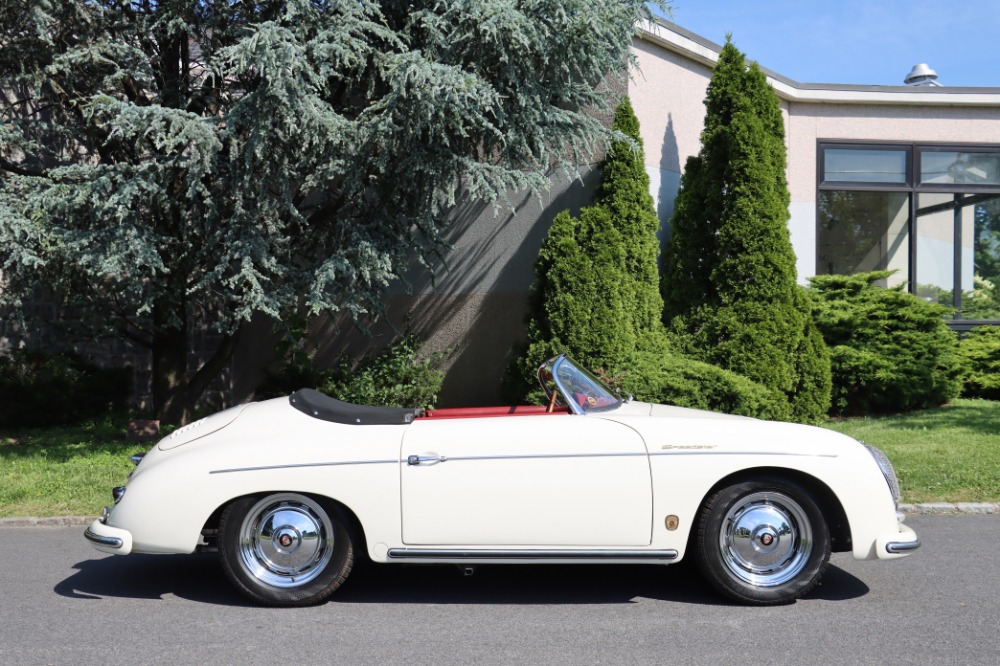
948,508
51,521
928,509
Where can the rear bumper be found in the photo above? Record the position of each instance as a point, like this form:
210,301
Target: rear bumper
109,539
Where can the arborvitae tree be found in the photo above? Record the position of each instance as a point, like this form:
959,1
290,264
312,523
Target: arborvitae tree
729,271
596,294
173,166
624,193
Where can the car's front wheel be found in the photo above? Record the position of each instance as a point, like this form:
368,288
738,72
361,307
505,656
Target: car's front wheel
285,549
762,541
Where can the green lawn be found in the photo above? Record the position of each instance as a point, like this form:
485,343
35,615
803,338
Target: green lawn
63,471
949,454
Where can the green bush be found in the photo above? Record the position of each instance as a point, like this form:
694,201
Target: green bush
675,380
813,380
729,284
37,389
980,349
596,292
397,376
890,351
751,339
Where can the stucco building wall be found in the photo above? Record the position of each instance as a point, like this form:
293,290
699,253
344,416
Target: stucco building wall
472,303
810,123
668,92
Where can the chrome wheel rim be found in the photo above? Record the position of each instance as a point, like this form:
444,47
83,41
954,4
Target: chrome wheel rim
766,539
286,540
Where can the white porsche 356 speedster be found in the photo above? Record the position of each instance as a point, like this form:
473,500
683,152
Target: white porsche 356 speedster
292,491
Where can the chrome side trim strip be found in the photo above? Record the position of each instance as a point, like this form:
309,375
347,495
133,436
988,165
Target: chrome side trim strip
638,454
540,456
522,554
532,456
741,453
298,465
111,542
902,546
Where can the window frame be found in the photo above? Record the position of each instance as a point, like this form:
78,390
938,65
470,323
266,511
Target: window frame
861,185
913,188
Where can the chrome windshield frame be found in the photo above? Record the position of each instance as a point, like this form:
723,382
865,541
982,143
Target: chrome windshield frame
550,370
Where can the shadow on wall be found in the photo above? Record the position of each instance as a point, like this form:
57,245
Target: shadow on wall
473,302
669,181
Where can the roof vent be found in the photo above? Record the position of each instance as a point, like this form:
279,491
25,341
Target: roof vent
921,75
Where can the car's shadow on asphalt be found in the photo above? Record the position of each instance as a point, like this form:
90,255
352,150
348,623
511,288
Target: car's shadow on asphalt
195,577
200,578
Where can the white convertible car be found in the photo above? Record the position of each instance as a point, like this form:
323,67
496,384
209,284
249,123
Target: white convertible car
291,491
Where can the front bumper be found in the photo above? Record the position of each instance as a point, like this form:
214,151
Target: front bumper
108,539
897,544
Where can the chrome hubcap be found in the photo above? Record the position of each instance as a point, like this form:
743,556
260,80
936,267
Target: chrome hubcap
765,539
286,540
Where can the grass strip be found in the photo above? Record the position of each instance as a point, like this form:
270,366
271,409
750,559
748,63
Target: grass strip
946,454
63,471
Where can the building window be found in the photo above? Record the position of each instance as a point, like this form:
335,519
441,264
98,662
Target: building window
865,165
950,166
931,213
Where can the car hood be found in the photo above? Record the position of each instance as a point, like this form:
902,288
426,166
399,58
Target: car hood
636,408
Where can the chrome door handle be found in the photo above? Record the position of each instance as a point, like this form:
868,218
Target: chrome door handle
425,460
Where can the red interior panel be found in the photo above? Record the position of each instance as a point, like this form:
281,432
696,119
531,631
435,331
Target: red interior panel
480,412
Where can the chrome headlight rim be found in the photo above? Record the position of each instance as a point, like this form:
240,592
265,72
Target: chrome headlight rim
888,471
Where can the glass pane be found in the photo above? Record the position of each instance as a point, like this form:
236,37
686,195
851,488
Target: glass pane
957,167
857,232
847,165
982,300
936,248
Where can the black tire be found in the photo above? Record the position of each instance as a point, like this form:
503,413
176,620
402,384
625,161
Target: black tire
285,549
762,542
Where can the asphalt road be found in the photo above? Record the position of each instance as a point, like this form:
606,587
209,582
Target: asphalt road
64,603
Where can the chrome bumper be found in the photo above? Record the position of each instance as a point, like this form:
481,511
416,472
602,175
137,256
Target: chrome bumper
108,539
902,546
899,543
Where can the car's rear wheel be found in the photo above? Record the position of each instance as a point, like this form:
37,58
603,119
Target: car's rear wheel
762,541
285,549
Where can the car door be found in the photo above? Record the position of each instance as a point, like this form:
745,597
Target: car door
540,480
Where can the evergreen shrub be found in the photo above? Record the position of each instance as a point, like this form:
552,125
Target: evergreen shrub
813,380
980,349
38,389
596,292
729,284
675,380
398,376
890,351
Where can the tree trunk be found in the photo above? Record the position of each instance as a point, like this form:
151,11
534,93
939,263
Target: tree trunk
170,366
176,387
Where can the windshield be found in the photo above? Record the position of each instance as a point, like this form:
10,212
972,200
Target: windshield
566,383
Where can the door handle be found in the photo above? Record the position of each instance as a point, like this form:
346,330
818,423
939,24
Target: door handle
425,460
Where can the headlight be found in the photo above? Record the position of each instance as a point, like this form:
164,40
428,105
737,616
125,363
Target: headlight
887,471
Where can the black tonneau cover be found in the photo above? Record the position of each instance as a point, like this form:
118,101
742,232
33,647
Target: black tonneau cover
325,408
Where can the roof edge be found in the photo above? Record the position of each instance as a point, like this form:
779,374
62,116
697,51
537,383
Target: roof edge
695,47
